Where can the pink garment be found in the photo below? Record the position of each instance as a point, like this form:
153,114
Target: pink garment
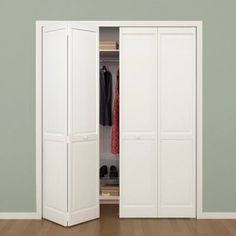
115,145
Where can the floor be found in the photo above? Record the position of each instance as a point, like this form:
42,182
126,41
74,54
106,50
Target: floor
110,225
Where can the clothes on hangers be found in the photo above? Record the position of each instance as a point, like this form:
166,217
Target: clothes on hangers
115,120
105,97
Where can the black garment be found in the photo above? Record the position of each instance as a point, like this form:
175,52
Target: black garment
105,97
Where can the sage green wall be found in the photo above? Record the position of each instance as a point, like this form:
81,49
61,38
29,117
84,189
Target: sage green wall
17,87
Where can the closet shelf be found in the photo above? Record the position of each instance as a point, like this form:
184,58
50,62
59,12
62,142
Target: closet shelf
109,178
113,181
109,199
114,53
109,50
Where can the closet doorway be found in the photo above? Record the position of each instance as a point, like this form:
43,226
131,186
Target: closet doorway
119,119
109,115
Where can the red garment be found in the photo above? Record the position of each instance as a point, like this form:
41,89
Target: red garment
115,120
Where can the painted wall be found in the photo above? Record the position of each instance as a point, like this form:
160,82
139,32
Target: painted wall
17,87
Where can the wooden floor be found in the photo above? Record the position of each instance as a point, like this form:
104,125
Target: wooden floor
110,225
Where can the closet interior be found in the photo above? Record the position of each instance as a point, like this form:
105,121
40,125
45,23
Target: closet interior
109,114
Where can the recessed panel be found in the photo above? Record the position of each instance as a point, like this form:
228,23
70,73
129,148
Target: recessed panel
55,81
83,175
177,173
84,80
55,175
177,81
138,173
138,62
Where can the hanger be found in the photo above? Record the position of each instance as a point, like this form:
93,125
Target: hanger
104,68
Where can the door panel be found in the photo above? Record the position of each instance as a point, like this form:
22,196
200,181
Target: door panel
177,122
138,64
83,180
55,124
176,184
55,81
138,174
138,113
55,183
83,124
83,81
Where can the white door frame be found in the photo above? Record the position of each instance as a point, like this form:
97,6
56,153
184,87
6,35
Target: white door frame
196,24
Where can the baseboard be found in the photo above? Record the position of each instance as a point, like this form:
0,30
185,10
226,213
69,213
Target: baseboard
19,215
37,216
217,215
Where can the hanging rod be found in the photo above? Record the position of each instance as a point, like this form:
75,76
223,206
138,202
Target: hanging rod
109,60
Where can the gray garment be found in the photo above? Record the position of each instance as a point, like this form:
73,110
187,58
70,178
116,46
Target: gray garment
105,97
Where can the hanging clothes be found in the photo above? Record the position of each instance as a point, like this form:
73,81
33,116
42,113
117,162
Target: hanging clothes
105,97
115,147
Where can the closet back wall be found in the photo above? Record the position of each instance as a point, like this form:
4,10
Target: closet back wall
17,88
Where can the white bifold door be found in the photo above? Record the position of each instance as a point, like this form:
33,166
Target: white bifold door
70,124
158,122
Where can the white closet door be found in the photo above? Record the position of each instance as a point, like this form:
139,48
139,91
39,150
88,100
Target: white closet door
177,122
83,170
55,124
138,125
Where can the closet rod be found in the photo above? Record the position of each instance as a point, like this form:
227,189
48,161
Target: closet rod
109,60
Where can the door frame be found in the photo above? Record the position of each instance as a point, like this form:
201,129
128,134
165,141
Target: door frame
199,94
